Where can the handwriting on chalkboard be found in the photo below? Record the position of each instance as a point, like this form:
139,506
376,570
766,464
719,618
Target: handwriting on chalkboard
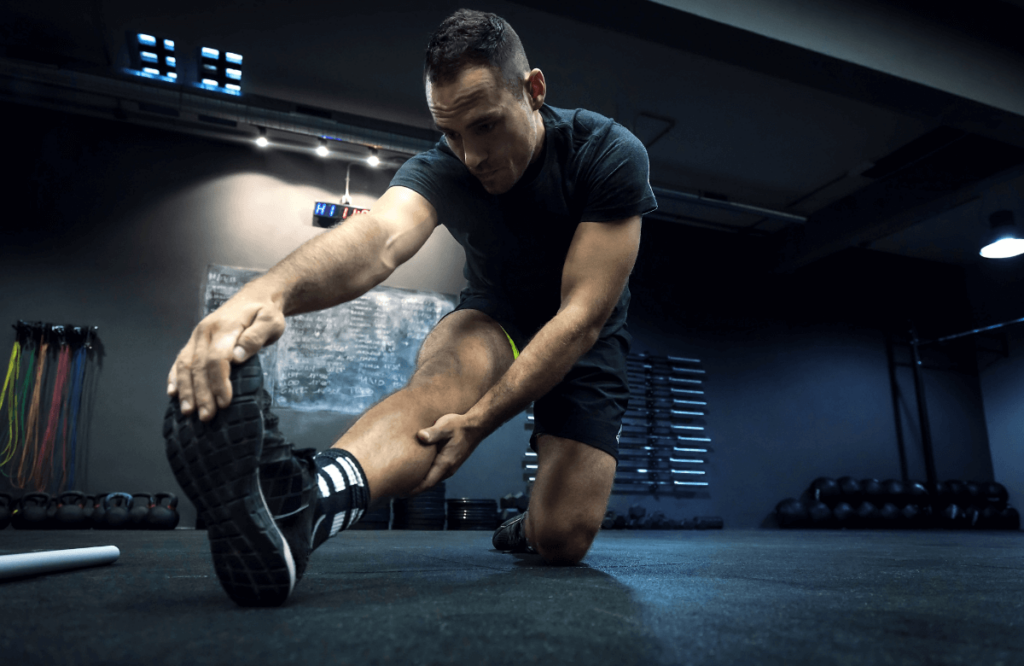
346,358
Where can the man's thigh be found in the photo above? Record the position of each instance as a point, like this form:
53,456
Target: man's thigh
468,346
571,491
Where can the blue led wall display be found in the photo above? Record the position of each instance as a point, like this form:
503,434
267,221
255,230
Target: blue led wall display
153,57
330,214
220,71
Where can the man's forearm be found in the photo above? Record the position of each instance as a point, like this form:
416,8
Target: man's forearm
334,267
541,365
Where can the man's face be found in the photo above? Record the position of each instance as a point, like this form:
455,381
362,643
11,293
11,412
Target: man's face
493,131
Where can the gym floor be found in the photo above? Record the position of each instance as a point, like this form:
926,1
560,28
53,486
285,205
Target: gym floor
640,597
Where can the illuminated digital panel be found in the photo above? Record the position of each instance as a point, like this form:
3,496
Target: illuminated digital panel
153,57
220,71
330,214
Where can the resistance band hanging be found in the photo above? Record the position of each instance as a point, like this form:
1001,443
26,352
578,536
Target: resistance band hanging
45,461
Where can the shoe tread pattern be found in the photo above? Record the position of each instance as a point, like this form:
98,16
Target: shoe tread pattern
217,466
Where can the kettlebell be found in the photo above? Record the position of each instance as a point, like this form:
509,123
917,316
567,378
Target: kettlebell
141,504
5,510
99,512
90,506
51,514
163,515
118,506
30,511
70,510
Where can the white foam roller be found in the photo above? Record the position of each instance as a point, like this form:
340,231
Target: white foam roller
30,564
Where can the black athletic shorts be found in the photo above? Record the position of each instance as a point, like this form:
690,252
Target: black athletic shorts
588,404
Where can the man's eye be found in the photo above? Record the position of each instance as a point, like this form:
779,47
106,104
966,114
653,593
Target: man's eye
486,128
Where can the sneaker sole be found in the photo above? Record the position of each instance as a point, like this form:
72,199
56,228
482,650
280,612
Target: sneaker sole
217,466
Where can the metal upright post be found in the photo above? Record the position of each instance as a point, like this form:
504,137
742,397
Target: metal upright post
922,410
895,389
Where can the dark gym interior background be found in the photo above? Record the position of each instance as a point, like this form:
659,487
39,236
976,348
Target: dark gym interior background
894,128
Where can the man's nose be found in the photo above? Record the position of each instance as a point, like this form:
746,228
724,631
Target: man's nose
474,156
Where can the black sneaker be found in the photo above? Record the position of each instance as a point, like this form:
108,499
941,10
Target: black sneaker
288,479
511,536
217,464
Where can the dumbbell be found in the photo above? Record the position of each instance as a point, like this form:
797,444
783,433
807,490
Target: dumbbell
866,515
889,516
910,516
842,515
141,505
708,522
636,515
792,513
71,510
996,494
30,511
872,491
953,517
896,492
850,490
163,515
917,494
5,510
820,515
956,492
608,522
825,489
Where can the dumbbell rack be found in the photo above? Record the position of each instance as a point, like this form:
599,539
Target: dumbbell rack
664,443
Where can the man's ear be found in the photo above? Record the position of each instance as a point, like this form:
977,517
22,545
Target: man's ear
536,88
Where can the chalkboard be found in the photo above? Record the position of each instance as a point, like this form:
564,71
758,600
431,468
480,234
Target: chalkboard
346,358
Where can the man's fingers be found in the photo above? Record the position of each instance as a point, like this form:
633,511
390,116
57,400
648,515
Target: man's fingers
202,368
441,431
434,476
265,329
183,380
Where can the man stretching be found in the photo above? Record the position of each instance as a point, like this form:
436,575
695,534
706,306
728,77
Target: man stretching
547,204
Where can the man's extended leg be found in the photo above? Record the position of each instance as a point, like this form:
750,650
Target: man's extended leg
461,359
264,501
569,498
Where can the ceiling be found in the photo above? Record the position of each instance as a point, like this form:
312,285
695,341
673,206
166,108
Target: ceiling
894,126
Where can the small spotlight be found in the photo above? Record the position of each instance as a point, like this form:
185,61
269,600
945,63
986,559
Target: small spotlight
1004,241
373,160
261,141
322,149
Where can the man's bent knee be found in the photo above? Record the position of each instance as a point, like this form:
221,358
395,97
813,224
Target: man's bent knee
563,545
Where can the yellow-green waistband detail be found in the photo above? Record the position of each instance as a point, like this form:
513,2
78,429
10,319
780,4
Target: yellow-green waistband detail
515,350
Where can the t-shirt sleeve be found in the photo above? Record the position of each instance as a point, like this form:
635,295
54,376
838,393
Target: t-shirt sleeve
615,178
425,175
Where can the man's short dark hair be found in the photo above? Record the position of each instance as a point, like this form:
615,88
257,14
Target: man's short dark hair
468,38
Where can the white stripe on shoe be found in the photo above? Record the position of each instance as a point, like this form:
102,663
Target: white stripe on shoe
339,522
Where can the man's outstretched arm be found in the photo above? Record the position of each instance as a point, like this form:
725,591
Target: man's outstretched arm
334,267
597,268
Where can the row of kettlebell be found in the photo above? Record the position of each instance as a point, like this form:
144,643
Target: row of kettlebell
77,511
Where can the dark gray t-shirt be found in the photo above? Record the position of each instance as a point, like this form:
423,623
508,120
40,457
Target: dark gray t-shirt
591,170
